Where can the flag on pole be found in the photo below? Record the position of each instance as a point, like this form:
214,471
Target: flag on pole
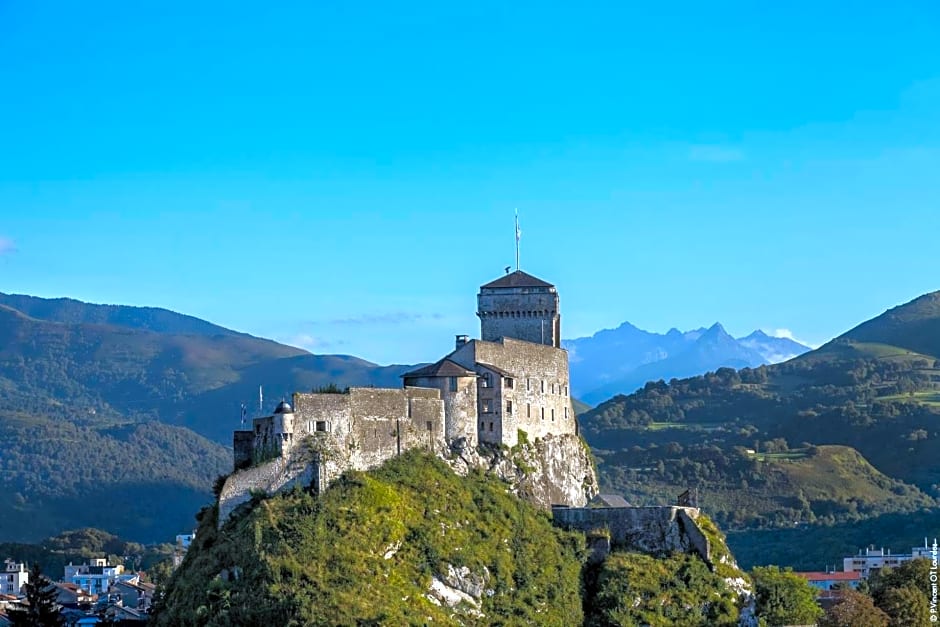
518,237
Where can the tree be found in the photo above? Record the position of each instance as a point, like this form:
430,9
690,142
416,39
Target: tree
41,599
906,607
854,610
784,598
901,594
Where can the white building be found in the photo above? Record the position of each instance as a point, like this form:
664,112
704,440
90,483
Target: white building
872,559
14,576
96,577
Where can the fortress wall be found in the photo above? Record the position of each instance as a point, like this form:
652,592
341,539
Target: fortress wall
646,529
536,367
460,406
278,474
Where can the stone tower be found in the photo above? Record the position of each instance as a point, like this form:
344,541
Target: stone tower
521,307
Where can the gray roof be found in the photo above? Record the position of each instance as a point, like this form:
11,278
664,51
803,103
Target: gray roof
517,279
608,500
442,368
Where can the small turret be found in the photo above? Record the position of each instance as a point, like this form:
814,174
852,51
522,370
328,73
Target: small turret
284,425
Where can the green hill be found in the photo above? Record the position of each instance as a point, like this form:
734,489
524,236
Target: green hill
391,546
121,417
875,389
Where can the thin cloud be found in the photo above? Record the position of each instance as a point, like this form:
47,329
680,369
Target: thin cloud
7,246
309,342
715,153
787,334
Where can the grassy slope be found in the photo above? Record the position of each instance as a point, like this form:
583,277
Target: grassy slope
323,562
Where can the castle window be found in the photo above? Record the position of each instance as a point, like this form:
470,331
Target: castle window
543,386
528,410
452,381
566,390
528,383
543,413
491,427
486,380
430,426
566,413
508,382
322,426
553,414
487,407
508,407
553,388
482,424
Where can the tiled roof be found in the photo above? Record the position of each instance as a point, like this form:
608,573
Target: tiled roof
517,279
821,576
442,368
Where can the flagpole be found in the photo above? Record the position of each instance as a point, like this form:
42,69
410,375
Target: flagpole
518,235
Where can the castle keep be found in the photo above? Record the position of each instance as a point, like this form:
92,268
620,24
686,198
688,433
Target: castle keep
512,381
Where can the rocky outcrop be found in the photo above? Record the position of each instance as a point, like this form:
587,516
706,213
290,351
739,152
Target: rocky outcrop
556,469
460,589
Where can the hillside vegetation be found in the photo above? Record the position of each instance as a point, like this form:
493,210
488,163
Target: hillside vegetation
773,446
121,417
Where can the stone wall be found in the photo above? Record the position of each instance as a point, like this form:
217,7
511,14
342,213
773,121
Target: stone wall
333,433
525,313
460,405
270,477
540,392
647,529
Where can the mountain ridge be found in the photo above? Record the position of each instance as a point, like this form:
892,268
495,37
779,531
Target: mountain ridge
620,360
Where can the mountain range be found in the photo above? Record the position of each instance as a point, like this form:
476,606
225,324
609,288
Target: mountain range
621,360
840,435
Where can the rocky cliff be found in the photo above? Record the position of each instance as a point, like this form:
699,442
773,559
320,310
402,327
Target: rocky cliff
556,469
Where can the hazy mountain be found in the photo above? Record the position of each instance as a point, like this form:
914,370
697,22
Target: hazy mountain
618,361
773,349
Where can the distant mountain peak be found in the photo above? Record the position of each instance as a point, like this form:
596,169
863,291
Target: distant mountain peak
758,334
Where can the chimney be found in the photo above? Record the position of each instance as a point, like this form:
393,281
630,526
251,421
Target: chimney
462,339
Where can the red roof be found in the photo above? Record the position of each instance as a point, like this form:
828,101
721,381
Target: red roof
820,576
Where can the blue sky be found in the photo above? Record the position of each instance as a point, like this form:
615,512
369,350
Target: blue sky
343,176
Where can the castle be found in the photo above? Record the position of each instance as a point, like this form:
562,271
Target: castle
511,383
501,403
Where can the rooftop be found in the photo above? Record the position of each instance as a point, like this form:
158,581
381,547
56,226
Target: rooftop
443,368
517,279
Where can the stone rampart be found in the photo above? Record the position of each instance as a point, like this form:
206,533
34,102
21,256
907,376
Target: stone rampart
647,529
